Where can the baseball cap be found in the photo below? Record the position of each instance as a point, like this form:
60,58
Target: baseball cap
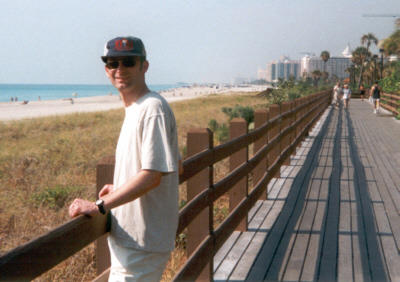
124,47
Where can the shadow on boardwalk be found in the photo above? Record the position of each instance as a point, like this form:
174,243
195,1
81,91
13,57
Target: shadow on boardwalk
339,217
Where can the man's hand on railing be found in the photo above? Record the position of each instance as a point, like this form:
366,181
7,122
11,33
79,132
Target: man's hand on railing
82,207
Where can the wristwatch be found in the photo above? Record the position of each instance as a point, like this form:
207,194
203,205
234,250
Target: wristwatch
100,206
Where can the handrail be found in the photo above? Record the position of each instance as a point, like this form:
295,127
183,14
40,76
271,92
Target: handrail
393,102
201,200
41,254
212,243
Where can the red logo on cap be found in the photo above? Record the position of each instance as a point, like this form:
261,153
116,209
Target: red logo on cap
123,45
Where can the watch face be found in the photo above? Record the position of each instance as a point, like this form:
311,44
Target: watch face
99,204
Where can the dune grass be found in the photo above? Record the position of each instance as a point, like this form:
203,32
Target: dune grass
47,162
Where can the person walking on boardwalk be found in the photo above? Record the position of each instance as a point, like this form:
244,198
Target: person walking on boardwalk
362,93
143,198
337,92
346,96
376,96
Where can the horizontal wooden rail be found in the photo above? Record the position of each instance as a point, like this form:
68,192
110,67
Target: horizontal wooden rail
202,200
30,260
213,242
41,254
392,102
208,157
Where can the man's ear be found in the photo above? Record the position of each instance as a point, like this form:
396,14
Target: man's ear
145,66
107,71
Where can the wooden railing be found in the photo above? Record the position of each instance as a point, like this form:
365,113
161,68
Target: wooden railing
392,102
278,131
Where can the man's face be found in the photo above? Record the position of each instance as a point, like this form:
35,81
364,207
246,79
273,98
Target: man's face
126,72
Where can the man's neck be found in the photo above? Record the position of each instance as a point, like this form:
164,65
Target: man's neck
131,95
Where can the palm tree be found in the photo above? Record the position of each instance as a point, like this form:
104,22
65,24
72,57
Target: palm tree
316,75
325,57
391,45
366,39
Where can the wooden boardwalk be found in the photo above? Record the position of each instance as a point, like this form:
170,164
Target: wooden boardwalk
334,215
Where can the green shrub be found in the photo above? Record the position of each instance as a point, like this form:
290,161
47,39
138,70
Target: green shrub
247,113
56,197
221,131
213,125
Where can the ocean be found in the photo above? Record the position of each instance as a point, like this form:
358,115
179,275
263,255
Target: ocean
32,92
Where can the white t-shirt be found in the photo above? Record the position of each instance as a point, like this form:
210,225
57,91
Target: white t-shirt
148,140
346,93
337,90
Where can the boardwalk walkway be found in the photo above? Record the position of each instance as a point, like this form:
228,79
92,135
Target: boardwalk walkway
335,212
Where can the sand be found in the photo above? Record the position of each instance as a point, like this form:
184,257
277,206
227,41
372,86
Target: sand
20,110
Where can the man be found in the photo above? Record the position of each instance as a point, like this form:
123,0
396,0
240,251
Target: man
376,96
144,196
337,91
346,96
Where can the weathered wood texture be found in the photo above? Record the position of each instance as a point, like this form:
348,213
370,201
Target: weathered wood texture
391,102
339,218
315,104
32,259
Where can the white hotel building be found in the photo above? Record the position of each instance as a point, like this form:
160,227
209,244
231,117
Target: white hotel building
286,68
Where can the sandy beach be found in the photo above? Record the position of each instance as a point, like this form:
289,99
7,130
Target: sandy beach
32,109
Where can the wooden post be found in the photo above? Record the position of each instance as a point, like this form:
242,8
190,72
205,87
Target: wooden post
104,175
199,140
306,110
238,127
274,110
260,118
292,135
285,123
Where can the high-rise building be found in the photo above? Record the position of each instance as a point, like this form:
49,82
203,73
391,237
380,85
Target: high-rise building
335,66
284,69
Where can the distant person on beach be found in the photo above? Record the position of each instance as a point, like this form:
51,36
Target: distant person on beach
376,96
337,92
143,198
346,95
362,92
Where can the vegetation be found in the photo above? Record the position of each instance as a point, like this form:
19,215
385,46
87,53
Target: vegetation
287,90
325,55
391,83
46,162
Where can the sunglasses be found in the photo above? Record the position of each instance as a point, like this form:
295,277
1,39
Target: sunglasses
126,62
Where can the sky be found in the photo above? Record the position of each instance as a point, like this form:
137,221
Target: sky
193,41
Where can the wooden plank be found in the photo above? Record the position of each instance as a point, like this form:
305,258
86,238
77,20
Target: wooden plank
260,216
375,262
274,240
311,259
310,262
392,257
329,241
41,254
297,256
225,249
254,210
345,264
245,263
232,258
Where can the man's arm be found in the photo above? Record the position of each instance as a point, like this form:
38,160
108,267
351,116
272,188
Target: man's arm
135,187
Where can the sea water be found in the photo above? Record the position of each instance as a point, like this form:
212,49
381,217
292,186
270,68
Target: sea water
35,92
